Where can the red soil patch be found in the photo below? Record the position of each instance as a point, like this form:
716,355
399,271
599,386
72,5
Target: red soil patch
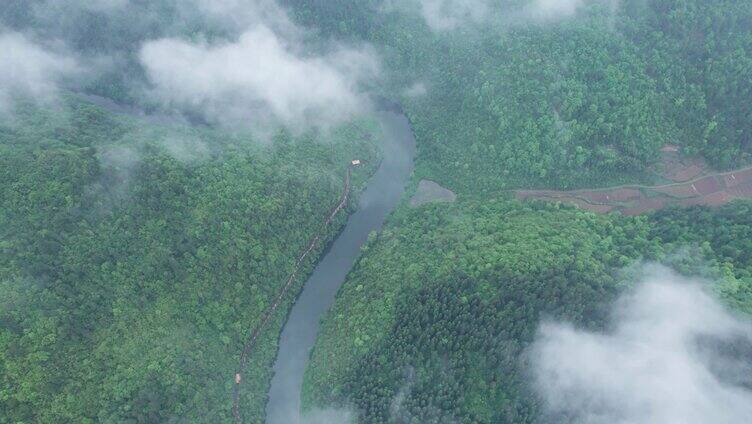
717,199
645,205
681,191
707,185
535,194
741,191
702,187
676,167
625,194
603,209
522,195
597,196
712,190
591,207
714,199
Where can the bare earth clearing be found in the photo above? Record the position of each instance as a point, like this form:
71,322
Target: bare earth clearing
430,192
693,183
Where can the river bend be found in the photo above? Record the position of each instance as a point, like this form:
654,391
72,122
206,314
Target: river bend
298,336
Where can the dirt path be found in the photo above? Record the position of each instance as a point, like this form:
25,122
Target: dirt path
254,335
633,199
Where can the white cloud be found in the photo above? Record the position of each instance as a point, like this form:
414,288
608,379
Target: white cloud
245,61
448,14
259,79
444,15
30,70
657,365
418,89
554,9
242,14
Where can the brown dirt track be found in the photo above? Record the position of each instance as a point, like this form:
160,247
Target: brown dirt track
704,189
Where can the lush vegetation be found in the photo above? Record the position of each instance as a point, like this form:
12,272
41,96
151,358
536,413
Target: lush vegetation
720,236
433,322
113,31
135,255
577,100
135,258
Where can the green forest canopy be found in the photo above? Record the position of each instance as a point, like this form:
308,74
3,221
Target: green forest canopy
441,307
586,100
132,266
431,324
131,276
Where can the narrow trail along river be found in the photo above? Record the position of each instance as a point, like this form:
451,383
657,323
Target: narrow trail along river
251,341
299,333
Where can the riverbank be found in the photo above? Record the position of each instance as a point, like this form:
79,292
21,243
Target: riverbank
380,197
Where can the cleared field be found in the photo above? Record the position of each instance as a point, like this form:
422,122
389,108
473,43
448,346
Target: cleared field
695,186
431,192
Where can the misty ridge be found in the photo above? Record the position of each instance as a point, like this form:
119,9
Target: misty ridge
235,63
164,163
449,15
239,64
242,66
670,352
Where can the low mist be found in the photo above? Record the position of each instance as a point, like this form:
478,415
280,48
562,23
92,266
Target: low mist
554,9
445,15
30,70
448,14
258,80
242,64
672,355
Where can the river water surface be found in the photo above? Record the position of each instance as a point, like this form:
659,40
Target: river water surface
382,194
299,333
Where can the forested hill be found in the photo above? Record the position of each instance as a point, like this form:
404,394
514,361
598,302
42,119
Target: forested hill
435,322
137,253
135,257
509,100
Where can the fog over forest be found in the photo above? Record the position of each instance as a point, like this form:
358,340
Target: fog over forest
253,68
461,211
666,360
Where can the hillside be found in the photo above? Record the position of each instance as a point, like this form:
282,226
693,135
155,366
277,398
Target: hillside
436,321
583,97
136,257
164,163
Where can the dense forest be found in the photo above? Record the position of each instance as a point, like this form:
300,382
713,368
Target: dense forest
147,220
434,321
133,267
583,100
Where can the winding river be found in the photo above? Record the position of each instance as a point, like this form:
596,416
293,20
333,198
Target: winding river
299,333
382,194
